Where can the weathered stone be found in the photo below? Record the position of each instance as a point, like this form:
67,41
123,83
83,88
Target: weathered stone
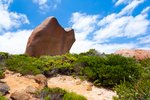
31,89
78,82
4,88
20,96
137,54
89,87
49,38
41,80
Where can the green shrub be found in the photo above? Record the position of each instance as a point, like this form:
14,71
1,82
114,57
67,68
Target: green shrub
2,98
1,74
73,96
3,55
91,52
58,94
146,68
137,91
22,64
109,70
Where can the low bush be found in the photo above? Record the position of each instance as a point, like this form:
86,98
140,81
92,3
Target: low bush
45,64
2,98
22,64
109,70
73,96
146,68
137,91
91,52
3,55
58,94
1,74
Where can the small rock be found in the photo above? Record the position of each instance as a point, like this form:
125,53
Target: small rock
63,78
20,96
51,73
78,82
29,76
41,80
89,87
100,93
34,99
31,89
8,72
56,96
4,88
18,75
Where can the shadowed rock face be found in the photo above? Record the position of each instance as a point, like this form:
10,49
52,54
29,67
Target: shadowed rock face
137,54
49,38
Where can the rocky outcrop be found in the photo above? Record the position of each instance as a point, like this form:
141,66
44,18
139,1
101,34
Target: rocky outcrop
49,38
137,54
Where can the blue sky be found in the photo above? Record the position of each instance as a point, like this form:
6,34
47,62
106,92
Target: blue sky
105,25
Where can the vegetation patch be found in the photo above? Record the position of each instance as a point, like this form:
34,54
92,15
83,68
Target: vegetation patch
2,98
139,90
127,76
58,94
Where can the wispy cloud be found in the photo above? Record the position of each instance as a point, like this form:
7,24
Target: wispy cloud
119,2
121,24
46,4
5,3
113,26
10,20
130,7
14,42
83,24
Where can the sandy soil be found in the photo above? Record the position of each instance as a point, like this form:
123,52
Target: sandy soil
81,87
20,83
16,82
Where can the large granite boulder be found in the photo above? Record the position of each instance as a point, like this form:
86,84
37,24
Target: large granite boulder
137,54
49,38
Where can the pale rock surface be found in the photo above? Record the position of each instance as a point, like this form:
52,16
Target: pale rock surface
84,88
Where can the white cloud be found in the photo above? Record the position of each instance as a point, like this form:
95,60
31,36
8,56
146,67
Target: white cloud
85,45
14,42
83,24
5,3
122,25
130,7
144,40
110,48
121,2
10,20
46,4
42,4
119,25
